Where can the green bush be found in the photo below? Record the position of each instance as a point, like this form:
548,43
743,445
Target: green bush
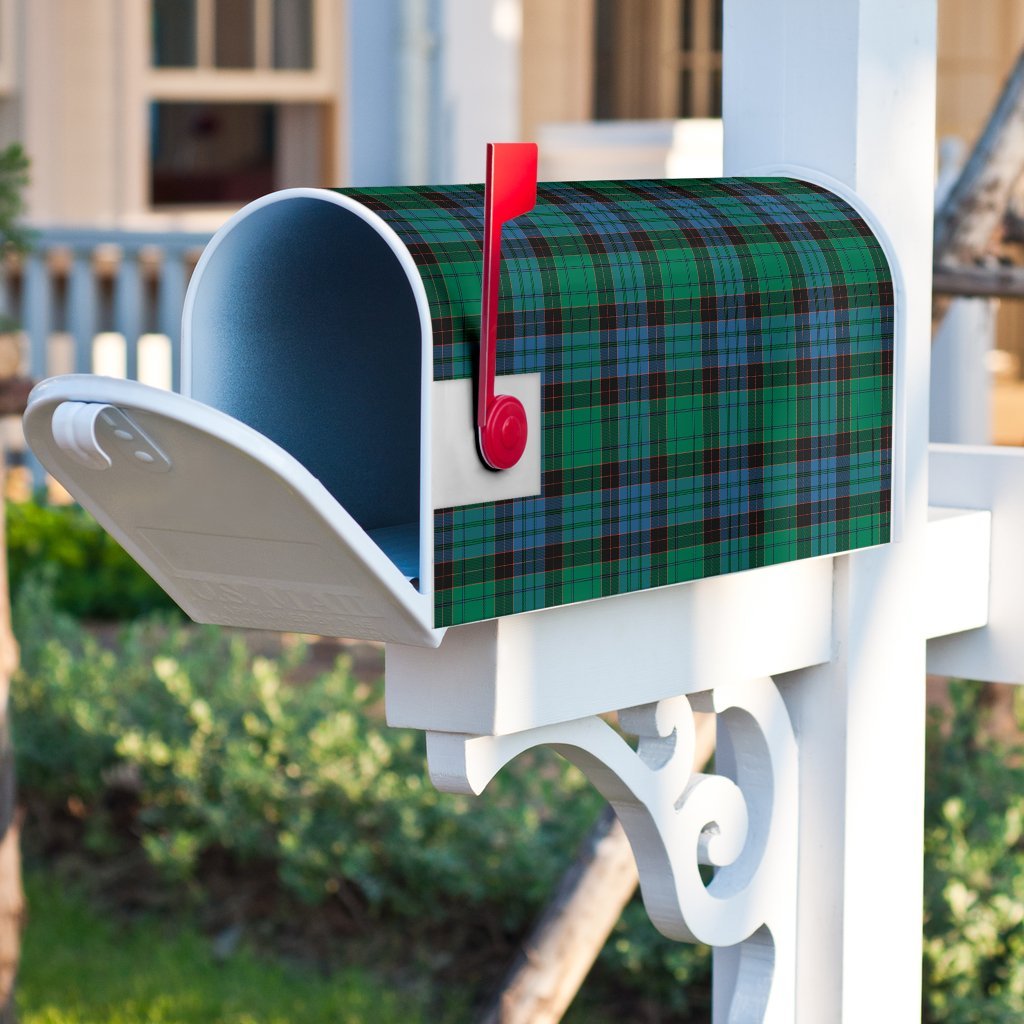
225,755
974,869
228,757
91,574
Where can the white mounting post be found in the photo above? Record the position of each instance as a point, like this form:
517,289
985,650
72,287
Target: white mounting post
849,89
815,820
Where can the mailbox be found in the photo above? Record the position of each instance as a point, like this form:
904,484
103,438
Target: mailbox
705,367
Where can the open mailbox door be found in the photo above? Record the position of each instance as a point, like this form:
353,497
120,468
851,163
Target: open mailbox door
236,530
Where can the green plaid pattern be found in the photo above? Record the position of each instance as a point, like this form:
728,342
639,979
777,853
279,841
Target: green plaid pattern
716,361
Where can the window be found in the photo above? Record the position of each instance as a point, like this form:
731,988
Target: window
700,58
658,58
174,33
212,152
255,35
234,34
242,98
293,34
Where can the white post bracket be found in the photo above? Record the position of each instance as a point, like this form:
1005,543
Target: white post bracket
678,820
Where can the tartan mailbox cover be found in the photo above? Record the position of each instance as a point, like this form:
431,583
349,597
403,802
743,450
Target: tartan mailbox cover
707,368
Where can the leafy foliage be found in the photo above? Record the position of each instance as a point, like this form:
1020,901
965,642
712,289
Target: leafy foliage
662,973
974,869
91,575
14,164
225,755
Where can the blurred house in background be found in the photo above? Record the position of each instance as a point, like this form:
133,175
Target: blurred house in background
150,121
167,113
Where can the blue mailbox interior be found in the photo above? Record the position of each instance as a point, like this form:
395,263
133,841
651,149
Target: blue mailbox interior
304,326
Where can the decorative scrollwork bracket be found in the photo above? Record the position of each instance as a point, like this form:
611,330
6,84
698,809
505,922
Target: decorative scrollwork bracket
742,821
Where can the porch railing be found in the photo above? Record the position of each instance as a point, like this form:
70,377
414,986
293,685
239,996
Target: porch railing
98,301
102,301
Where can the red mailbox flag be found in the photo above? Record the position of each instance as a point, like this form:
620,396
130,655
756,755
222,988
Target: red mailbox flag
511,190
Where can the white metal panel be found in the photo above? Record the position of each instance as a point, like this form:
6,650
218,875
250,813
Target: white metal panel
460,476
232,527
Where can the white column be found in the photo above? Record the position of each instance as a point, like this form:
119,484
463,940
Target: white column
961,392
373,38
849,89
479,83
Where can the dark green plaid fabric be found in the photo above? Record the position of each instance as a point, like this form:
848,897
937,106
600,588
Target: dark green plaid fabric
716,359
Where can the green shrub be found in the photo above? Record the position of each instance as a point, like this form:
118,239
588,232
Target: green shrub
974,869
90,573
226,755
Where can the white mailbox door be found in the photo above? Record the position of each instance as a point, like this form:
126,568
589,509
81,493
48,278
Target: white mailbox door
236,530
